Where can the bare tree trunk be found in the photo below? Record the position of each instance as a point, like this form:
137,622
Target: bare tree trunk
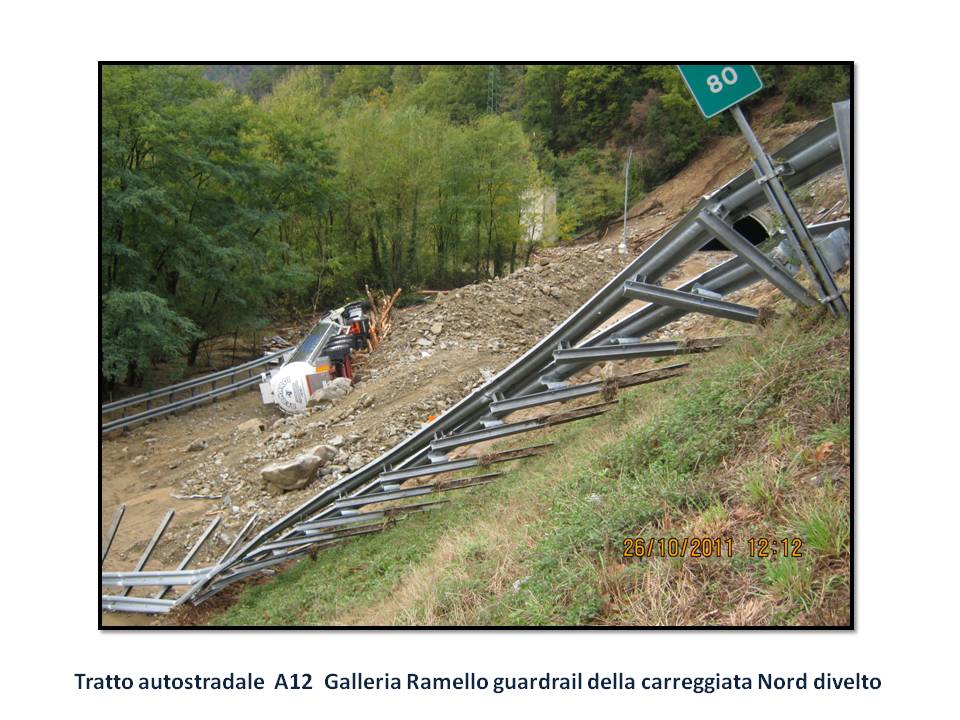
194,351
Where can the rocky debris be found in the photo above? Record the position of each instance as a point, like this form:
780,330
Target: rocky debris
336,441
197,445
255,425
333,391
298,472
355,462
324,452
504,315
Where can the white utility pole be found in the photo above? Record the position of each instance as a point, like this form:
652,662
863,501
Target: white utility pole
622,248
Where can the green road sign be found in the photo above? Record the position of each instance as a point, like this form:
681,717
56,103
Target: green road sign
718,87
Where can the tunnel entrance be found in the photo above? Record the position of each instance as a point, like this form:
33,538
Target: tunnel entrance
751,228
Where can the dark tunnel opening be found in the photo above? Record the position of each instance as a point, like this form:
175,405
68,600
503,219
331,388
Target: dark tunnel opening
749,227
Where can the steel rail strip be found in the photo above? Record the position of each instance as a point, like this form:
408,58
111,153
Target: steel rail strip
182,404
808,156
299,534
191,383
121,603
573,392
350,516
310,536
141,578
692,302
445,444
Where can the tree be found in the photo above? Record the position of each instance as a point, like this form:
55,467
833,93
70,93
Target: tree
597,99
197,185
543,111
462,93
137,328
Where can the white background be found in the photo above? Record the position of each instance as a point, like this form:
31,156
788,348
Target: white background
906,289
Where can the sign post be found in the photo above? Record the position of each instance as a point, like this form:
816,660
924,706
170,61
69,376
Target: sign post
716,88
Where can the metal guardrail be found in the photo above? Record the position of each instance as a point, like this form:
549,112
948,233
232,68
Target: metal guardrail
168,394
539,377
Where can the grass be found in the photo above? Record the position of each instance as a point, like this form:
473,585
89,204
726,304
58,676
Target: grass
754,442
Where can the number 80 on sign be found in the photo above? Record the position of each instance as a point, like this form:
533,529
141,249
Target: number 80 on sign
719,87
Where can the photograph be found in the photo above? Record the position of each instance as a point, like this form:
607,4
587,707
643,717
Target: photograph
475,346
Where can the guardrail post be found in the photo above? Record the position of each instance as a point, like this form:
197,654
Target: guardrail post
795,227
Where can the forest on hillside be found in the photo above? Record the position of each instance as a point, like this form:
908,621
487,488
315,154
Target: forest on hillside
234,195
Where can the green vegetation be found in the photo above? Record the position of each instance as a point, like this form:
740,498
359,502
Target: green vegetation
232,195
734,449
812,88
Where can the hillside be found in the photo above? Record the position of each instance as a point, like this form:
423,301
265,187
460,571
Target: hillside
754,443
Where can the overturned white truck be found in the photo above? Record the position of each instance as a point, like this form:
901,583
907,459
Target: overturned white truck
324,354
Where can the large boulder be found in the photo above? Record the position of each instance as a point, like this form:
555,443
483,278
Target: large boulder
299,472
333,391
326,453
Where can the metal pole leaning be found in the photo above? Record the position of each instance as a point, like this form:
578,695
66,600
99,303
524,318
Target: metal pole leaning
632,348
188,558
690,301
148,550
112,532
827,288
764,265
228,554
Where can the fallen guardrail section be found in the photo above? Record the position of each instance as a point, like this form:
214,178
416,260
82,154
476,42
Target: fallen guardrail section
360,503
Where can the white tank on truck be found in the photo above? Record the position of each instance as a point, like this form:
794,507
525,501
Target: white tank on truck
321,356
